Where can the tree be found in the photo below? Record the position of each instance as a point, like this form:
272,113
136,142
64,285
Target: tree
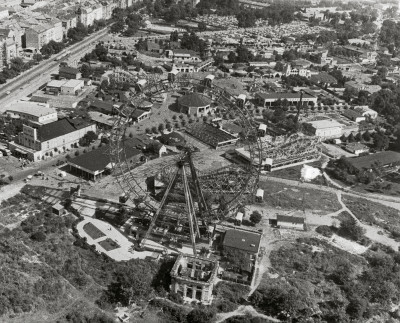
351,138
132,282
358,137
366,136
279,66
174,36
351,229
86,71
343,138
39,236
381,141
238,259
202,26
255,217
117,27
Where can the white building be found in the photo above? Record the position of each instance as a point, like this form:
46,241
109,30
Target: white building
325,129
32,111
72,87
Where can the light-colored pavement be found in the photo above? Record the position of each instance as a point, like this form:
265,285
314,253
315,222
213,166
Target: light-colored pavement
125,250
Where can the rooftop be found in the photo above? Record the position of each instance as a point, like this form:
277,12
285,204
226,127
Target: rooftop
60,128
282,96
384,158
242,240
322,124
194,100
289,219
32,108
73,83
99,159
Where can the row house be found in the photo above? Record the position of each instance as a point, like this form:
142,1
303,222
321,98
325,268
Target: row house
8,47
88,15
14,32
68,21
41,34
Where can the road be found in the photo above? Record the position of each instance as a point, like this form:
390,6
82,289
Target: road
30,80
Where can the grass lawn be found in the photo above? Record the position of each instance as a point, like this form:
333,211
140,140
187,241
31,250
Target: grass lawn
93,231
289,197
375,213
294,173
109,244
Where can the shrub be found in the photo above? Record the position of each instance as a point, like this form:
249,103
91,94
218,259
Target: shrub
325,230
255,217
39,236
176,298
77,153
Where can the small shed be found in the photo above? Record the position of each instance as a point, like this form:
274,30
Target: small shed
58,209
289,222
239,218
262,130
260,195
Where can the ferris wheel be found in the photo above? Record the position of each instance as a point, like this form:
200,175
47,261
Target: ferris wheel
191,198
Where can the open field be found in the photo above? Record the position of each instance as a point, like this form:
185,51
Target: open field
93,231
294,173
286,197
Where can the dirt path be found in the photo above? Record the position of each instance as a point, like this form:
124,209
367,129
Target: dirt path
242,311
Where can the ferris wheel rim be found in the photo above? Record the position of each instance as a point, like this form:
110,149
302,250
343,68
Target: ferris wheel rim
121,124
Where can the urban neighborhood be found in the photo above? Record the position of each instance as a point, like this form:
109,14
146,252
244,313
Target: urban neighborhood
226,161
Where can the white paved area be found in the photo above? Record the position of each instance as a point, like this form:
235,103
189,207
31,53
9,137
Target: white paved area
123,253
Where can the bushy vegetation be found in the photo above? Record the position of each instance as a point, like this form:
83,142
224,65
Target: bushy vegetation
341,287
375,213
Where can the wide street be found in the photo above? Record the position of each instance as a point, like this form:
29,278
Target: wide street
30,80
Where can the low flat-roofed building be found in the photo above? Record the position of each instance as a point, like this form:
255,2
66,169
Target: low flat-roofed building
325,129
32,111
288,222
269,99
54,87
72,87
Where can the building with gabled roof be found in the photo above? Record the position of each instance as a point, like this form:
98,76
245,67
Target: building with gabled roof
94,163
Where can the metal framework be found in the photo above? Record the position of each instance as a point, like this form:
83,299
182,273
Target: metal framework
233,183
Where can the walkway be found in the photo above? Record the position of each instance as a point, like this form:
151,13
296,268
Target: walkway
243,310
123,252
